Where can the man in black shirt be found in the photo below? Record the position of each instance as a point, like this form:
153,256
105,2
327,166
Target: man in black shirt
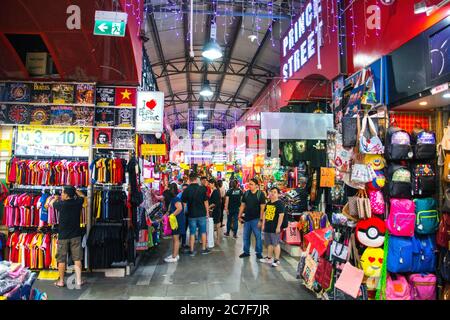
273,219
195,198
253,203
69,232
233,199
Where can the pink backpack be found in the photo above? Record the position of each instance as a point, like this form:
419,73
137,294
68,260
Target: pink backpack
401,219
377,201
423,286
166,226
398,289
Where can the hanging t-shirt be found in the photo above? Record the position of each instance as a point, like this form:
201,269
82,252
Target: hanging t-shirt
317,150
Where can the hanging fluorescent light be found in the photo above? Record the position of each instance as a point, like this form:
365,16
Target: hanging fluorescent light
201,127
446,95
212,51
206,90
202,115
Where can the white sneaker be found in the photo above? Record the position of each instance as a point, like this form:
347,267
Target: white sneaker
266,260
275,263
171,259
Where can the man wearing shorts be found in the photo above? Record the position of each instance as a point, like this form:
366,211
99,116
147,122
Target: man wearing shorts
197,201
69,232
272,221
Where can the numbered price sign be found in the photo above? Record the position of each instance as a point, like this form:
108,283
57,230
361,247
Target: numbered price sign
61,136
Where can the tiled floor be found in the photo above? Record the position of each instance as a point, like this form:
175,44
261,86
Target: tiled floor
219,275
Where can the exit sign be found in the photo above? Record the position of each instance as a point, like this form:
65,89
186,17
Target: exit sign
110,23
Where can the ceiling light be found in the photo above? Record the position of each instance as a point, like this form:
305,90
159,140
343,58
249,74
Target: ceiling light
202,115
212,51
200,127
423,103
206,90
446,95
252,37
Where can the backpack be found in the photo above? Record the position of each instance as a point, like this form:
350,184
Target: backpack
423,286
424,179
444,264
398,144
377,201
258,195
427,217
443,234
397,288
401,218
399,181
399,257
424,145
423,255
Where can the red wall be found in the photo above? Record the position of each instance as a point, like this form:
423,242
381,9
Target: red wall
399,24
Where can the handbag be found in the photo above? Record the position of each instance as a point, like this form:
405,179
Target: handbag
446,205
351,277
349,132
373,145
309,271
339,252
324,273
359,206
319,239
301,262
360,173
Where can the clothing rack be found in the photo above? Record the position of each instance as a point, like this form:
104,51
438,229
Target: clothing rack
22,188
109,224
110,186
72,158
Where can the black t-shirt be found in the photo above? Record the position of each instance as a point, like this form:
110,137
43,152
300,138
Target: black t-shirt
69,218
215,199
195,197
253,202
234,199
272,213
167,198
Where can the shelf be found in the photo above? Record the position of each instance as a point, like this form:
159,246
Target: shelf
115,107
49,104
106,148
64,126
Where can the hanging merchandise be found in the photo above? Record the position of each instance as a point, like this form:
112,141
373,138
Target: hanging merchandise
106,245
423,180
373,145
110,205
397,288
370,232
109,170
423,286
424,145
398,144
47,172
427,217
401,218
372,261
399,181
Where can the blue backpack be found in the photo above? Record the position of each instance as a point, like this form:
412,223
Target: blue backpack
424,255
400,253
427,217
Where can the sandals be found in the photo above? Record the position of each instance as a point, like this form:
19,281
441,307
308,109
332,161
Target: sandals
58,285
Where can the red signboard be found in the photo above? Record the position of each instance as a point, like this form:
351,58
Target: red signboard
301,55
376,28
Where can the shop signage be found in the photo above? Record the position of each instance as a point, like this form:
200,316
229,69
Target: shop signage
439,89
5,145
150,111
110,23
302,40
220,167
153,149
46,136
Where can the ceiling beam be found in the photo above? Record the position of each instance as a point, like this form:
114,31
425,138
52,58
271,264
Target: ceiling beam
227,58
252,63
159,50
186,32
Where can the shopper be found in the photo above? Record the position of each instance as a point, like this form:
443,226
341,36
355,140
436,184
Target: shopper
195,197
215,206
176,209
232,201
253,204
223,192
69,232
204,182
184,244
272,221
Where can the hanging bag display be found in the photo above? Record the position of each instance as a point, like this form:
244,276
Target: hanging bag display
397,288
427,217
301,262
401,218
377,204
309,271
292,234
398,144
319,239
443,234
446,173
400,185
446,204
423,179
424,145
324,272
372,145
423,286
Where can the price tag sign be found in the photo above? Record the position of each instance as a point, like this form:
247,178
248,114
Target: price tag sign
66,141
327,177
153,149
5,145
